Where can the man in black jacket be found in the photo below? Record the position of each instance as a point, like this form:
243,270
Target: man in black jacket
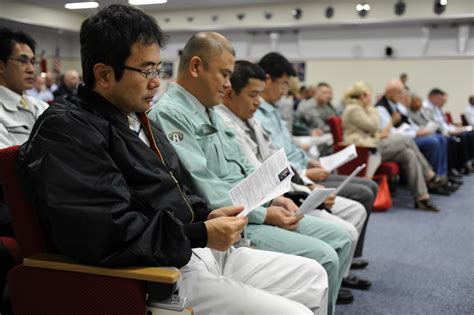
109,188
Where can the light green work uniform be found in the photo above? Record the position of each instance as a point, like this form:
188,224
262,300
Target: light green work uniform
212,157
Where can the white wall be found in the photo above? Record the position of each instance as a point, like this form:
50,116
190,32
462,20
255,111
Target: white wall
455,76
341,50
344,55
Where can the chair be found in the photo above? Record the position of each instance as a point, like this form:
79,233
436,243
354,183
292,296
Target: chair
464,120
449,117
48,283
390,169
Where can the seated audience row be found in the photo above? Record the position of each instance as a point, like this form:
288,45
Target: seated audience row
150,185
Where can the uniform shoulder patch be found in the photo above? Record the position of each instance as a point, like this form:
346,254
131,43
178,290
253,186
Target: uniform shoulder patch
175,136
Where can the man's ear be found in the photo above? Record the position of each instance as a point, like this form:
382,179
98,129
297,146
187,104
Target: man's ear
195,66
103,75
268,79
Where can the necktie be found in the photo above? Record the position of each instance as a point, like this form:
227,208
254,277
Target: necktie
24,103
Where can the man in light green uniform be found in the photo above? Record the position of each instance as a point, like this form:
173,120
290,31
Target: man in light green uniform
215,164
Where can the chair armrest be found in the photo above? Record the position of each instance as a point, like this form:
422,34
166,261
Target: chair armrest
167,275
362,157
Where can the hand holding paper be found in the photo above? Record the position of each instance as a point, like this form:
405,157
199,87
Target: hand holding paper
271,179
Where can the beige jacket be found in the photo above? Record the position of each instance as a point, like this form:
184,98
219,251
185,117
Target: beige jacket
360,124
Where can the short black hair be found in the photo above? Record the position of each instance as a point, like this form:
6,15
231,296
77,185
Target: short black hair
276,66
244,71
436,91
8,38
108,36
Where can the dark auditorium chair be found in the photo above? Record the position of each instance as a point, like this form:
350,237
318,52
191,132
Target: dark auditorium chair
9,257
449,117
48,283
390,169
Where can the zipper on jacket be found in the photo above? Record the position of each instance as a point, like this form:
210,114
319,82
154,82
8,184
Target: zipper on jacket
183,195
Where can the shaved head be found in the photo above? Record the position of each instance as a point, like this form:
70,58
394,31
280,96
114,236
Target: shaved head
71,79
206,46
394,90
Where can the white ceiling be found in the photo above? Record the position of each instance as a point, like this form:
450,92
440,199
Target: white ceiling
173,5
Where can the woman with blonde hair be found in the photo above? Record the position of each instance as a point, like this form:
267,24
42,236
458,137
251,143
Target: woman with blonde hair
361,125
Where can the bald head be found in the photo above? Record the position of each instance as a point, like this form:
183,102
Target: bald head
205,67
206,46
394,90
71,79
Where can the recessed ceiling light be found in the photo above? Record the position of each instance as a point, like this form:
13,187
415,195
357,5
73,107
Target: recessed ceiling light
81,5
145,2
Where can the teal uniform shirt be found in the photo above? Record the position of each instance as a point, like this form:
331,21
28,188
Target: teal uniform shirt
206,149
270,119
212,157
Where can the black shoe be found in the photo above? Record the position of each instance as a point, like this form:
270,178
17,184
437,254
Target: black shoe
455,180
455,173
344,297
439,191
451,187
434,182
426,205
356,283
358,263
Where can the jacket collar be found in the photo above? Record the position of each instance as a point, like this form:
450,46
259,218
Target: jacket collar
9,99
266,107
189,102
96,102
225,111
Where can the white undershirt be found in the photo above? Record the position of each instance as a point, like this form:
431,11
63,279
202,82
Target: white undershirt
135,124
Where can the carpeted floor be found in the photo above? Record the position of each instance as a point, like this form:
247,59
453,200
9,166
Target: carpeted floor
420,262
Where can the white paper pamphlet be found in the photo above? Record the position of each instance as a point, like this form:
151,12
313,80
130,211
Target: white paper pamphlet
348,178
314,199
333,161
269,180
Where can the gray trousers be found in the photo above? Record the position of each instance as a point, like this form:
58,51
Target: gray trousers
359,189
403,150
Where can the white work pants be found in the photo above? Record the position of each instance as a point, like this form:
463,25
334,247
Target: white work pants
251,281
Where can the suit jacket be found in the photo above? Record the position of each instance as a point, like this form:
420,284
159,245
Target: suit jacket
384,103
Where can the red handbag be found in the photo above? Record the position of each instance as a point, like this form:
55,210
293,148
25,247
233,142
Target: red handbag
383,201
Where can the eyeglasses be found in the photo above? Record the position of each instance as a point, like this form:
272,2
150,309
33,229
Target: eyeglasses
25,61
150,74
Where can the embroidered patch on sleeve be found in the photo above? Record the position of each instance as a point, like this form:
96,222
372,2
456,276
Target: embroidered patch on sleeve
175,136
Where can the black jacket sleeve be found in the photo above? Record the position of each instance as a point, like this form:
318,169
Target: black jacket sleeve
86,205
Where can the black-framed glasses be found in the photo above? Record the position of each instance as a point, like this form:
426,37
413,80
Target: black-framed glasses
150,74
25,61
